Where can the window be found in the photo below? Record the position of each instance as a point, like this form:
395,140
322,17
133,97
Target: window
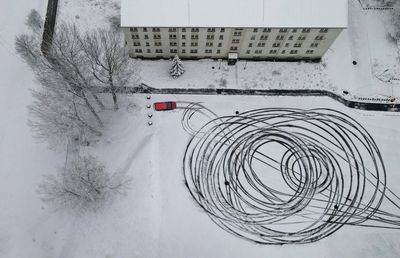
294,31
293,52
263,37
156,29
279,37
221,37
222,29
172,44
157,44
211,30
233,48
135,36
148,51
235,40
183,44
172,36
193,51
144,29
306,30
255,30
158,50
272,51
195,30
133,29
253,37
138,50
147,44
283,30
208,51
146,36
136,44
258,52
194,36
314,45
194,44
156,36
290,37
287,44
250,44
173,50
172,30
309,52
209,44
183,29
297,44
183,51
276,45
319,37
301,38
266,30
218,51
247,52
220,44
210,36
283,52
183,36
261,44
237,33
323,30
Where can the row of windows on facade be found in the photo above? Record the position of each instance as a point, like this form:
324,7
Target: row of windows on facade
209,51
236,30
211,44
221,37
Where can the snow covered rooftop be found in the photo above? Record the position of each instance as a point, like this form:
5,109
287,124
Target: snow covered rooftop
234,13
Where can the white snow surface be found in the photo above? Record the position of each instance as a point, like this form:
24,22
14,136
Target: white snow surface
26,227
158,217
234,13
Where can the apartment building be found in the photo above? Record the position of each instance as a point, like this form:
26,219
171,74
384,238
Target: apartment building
251,29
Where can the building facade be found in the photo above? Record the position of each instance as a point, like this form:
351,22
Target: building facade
248,43
251,29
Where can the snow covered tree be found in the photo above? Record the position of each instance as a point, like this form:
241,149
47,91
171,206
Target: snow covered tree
63,104
109,61
176,68
84,185
394,26
34,21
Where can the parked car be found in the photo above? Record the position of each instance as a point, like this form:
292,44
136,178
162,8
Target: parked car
164,106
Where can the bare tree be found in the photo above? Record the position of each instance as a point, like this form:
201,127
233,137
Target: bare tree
67,57
62,105
109,61
56,114
86,184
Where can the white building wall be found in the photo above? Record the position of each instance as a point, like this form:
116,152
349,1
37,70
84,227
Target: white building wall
249,43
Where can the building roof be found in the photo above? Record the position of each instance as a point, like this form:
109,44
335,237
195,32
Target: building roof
234,13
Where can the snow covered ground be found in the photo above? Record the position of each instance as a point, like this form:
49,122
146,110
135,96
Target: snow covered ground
22,159
158,217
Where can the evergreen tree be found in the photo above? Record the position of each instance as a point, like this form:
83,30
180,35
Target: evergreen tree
177,67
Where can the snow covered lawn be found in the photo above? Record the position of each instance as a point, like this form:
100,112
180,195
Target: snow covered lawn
244,75
159,217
